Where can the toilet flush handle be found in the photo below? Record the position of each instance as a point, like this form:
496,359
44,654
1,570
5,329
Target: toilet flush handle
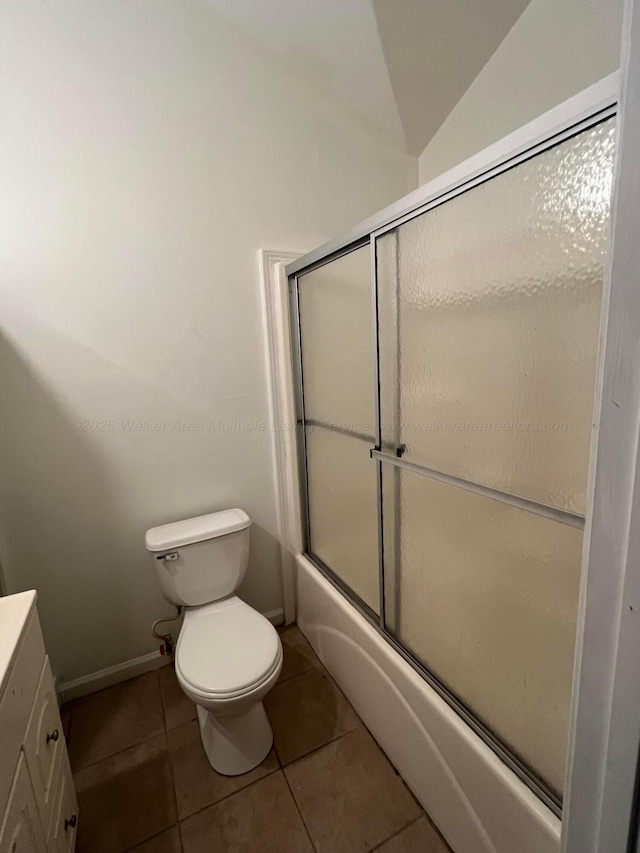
172,556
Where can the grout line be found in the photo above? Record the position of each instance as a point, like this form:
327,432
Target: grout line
273,747
445,843
298,809
230,794
295,675
326,674
396,834
242,790
325,671
173,786
226,796
164,710
151,837
411,794
75,770
170,761
322,746
167,828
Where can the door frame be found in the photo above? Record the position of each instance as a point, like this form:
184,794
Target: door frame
282,419
601,805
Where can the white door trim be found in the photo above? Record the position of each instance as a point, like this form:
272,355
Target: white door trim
282,418
606,716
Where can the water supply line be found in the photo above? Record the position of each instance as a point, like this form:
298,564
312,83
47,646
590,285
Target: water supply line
166,647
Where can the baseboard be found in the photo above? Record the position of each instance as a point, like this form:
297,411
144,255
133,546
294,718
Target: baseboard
276,617
111,675
128,669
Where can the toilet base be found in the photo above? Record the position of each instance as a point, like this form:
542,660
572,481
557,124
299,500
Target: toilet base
235,745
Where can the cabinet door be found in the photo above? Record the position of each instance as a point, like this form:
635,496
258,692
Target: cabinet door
64,828
21,830
43,741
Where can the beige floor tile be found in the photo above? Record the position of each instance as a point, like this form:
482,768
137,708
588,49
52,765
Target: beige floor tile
306,712
260,819
178,708
299,657
166,842
349,795
126,798
420,837
197,784
114,719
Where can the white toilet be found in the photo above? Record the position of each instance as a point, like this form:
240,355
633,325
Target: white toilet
228,655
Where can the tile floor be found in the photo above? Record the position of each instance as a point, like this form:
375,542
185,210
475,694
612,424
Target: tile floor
144,783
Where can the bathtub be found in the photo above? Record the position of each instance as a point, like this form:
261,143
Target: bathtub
476,801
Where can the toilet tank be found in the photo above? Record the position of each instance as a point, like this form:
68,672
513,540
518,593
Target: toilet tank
201,559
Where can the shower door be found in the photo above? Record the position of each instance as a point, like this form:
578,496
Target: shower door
334,306
445,445
490,313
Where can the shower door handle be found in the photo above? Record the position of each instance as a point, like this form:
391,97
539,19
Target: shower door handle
399,450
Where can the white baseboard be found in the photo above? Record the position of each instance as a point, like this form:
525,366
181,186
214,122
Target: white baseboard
111,675
276,617
128,669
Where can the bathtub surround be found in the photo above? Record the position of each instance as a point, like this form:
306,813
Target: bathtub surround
150,150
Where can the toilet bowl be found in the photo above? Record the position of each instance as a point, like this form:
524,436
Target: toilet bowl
228,655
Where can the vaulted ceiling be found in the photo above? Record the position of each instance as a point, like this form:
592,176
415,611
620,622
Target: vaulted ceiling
400,65
434,49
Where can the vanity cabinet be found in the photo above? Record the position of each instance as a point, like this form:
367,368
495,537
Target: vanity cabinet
38,807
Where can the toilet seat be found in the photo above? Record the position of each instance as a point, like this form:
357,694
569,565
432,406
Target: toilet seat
226,649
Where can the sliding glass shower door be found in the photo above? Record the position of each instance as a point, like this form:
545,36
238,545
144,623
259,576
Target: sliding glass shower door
466,463
338,368
494,344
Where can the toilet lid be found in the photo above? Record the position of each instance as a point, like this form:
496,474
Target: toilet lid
226,647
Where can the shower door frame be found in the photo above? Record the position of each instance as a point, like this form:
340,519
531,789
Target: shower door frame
590,107
603,785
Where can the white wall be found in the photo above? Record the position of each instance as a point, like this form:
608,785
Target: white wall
148,151
556,49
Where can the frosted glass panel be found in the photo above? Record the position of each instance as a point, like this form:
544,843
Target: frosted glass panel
338,354
486,596
343,509
489,313
338,367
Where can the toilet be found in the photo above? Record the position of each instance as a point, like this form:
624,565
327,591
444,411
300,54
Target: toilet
228,655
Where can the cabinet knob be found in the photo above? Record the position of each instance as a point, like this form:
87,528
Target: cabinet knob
71,822
53,736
